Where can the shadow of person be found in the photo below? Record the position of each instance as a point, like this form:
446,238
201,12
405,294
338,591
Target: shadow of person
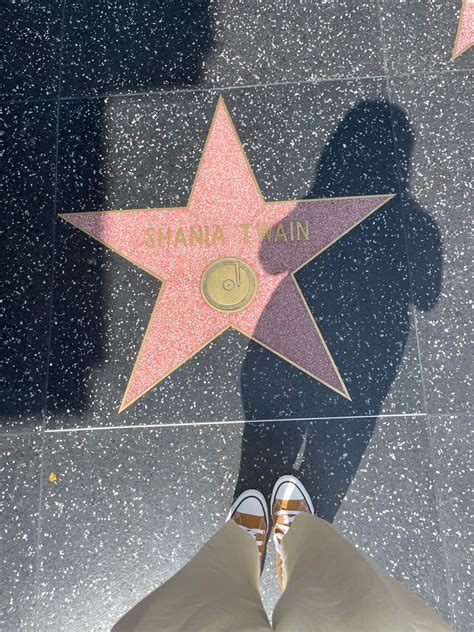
361,295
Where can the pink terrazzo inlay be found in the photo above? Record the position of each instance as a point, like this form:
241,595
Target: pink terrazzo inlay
227,217
465,33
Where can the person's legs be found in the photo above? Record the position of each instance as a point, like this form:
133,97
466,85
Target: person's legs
219,588
329,586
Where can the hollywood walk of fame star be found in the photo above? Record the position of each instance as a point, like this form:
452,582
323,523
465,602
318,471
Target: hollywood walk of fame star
221,260
465,33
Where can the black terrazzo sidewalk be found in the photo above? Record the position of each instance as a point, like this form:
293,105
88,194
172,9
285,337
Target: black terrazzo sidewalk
107,105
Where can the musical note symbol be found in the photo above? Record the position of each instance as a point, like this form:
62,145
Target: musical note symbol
228,284
237,273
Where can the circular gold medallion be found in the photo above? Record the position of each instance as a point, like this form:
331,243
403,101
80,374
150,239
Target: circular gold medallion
228,285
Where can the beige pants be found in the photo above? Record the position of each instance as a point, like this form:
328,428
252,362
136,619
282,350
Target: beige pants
329,587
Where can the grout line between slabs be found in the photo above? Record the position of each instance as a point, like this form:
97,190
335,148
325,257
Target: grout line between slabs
37,431
165,91
242,86
442,523
228,422
401,196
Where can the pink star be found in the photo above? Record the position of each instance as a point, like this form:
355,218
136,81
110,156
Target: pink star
465,34
266,242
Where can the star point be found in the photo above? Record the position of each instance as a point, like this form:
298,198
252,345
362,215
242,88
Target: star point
465,31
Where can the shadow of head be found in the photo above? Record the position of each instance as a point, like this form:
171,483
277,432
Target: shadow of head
358,159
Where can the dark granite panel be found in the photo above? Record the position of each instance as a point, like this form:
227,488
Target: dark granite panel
440,251
27,253
32,45
130,507
117,47
419,35
20,458
390,509
452,453
323,140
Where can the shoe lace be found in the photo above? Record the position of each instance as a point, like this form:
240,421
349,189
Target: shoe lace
254,531
284,522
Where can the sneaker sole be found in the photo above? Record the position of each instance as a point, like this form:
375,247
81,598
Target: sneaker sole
289,478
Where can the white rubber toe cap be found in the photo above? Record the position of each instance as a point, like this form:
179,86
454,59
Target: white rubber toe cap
250,502
289,491
290,488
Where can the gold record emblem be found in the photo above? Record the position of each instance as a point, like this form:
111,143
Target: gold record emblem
228,285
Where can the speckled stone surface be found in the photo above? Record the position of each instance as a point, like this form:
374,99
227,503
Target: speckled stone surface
389,509
20,460
119,520
28,172
358,289
125,514
329,98
117,47
31,50
452,456
436,175
419,35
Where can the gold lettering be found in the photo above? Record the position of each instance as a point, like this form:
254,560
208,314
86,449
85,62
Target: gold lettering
195,236
280,233
162,238
149,239
302,230
179,238
218,235
292,232
264,230
245,228
208,235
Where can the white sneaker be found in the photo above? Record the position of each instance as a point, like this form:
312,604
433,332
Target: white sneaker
250,512
289,498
